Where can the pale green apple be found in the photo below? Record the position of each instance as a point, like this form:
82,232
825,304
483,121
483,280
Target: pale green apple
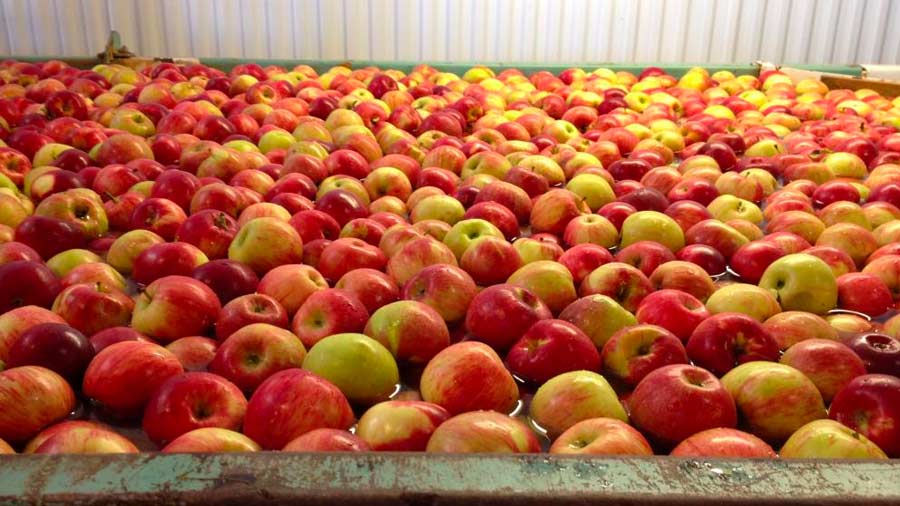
550,281
65,261
801,282
438,207
744,298
652,226
361,367
593,189
844,164
275,139
126,248
766,147
730,207
465,232
828,439
532,250
571,397
241,146
598,316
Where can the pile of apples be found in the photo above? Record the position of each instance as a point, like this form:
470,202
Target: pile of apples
593,262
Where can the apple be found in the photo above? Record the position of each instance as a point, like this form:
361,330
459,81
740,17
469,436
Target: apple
829,364
166,259
864,293
327,440
248,309
173,307
549,281
211,440
499,315
209,230
339,359
464,233
327,312
774,399
255,352
26,283
400,425
879,352
49,236
725,340
190,401
348,253
654,226
601,436
13,251
95,307
572,397
31,398
624,283
446,288
705,256
412,331
447,380
791,327
550,348
265,243
227,279
483,432
291,403
194,352
17,321
723,442
676,311
828,439
122,377
756,302
76,436
867,404
751,260
553,210
373,288
676,401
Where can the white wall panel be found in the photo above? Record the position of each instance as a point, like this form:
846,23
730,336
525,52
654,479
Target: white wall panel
694,31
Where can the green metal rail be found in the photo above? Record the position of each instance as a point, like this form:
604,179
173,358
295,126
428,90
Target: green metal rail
374,479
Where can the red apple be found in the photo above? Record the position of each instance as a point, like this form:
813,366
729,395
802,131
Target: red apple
194,352
725,340
674,310
255,352
227,279
675,402
191,401
468,376
549,348
327,440
31,398
291,403
123,376
601,436
723,443
483,432
248,309
869,405
173,307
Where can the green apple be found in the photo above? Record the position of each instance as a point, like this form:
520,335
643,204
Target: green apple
361,367
774,400
828,439
465,232
598,316
744,298
126,248
729,207
551,281
532,250
63,262
846,165
241,146
275,139
266,243
652,226
593,189
48,153
766,147
571,397
438,207
801,282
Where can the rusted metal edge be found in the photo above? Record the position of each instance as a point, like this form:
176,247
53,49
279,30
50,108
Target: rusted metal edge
404,478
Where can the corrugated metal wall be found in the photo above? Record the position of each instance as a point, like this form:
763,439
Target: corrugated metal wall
714,31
